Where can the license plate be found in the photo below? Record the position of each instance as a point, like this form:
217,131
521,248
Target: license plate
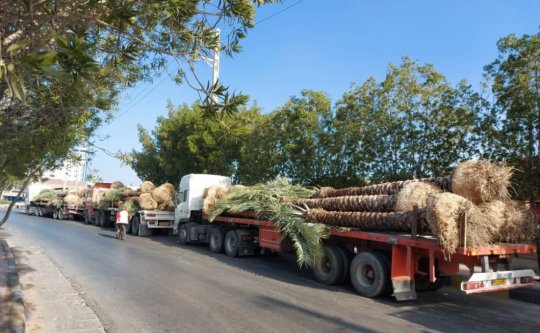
498,282
164,223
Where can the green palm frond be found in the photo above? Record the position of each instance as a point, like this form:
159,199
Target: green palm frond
112,197
272,201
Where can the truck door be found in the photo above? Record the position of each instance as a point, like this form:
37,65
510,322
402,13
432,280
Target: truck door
182,210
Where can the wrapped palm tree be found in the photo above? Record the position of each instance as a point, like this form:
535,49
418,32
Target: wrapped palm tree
444,183
370,221
266,201
367,203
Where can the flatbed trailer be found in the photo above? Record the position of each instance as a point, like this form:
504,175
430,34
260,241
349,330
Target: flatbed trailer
377,263
146,221
65,211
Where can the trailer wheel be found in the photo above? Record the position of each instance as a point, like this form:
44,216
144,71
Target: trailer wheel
135,224
183,234
329,270
231,243
347,258
129,225
370,274
61,215
103,219
216,240
95,218
55,213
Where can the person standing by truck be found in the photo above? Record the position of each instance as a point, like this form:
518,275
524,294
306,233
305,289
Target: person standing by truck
122,220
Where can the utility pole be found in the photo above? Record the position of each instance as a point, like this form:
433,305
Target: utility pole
215,65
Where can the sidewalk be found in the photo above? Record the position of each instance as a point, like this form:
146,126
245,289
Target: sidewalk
51,301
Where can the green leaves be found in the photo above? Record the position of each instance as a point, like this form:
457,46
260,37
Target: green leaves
515,117
189,142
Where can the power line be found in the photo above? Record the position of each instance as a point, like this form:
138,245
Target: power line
279,12
140,100
130,107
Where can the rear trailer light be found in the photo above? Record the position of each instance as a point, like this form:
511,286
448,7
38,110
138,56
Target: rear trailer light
472,285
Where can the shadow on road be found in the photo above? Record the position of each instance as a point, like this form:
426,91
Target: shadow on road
344,324
107,235
280,267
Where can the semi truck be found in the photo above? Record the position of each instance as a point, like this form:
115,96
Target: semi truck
143,223
65,210
376,263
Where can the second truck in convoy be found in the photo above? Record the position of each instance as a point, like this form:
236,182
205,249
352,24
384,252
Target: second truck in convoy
142,223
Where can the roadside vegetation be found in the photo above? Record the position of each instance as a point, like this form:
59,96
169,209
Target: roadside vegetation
413,123
63,65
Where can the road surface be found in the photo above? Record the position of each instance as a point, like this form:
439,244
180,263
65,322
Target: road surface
155,285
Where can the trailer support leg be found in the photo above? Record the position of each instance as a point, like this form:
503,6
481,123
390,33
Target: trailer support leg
484,263
432,276
403,267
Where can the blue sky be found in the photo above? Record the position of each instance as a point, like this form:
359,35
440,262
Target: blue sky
328,45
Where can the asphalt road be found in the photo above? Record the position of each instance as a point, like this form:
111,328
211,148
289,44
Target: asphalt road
155,285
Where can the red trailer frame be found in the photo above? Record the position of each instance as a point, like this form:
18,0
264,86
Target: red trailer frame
406,250
89,200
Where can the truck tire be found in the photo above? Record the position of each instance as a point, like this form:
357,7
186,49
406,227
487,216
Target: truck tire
370,275
86,217
102,217
61,215
95,218
55,214
329,270
105,219
231,243
135,224
216,240
183,237
347,258
128,226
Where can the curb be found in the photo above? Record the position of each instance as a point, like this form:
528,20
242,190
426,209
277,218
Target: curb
15,305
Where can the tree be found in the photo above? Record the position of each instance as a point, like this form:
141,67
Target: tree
412,124
63,64
127,39
515,78
301,137
188,142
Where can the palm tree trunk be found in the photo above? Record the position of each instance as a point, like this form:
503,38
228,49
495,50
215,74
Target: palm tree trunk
381,189
370,221
366,203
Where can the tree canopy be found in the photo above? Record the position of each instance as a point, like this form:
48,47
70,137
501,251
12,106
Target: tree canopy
64,63
411,124
515,125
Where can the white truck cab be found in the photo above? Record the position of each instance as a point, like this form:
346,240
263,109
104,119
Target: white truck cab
190,195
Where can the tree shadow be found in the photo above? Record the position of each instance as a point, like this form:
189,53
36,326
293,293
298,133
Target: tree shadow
20,258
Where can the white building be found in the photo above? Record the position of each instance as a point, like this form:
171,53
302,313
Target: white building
71,170
71,174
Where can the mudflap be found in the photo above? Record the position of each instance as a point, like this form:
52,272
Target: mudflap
144,230
404,289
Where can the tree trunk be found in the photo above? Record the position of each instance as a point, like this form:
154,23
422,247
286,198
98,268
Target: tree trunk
367,203
10,207
370,221
381,189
